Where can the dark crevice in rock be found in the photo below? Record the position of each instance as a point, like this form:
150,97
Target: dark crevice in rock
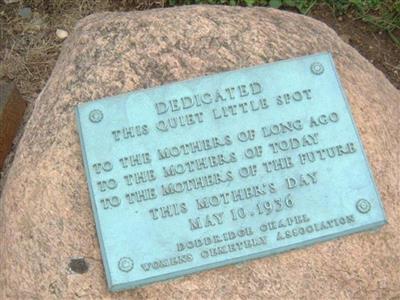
78,265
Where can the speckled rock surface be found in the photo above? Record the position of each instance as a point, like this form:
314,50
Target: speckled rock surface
46,219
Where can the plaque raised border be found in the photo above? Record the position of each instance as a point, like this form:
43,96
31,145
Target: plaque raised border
224,168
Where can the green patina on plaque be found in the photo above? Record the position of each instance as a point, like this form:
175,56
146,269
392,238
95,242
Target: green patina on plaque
221,169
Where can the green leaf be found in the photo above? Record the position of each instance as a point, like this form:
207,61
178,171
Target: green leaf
290,3
275,3
250,2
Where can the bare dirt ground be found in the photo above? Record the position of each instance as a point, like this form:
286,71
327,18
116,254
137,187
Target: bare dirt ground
29,46
374,44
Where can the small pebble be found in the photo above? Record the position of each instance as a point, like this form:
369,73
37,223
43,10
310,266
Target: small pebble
340,18
25,12
61,34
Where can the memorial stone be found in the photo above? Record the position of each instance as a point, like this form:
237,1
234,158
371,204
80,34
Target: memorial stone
49,247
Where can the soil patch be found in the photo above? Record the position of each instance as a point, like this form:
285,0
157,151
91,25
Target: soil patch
374,44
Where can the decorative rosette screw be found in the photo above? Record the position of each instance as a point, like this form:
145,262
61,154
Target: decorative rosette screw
95,116
125,264
363,206
317,68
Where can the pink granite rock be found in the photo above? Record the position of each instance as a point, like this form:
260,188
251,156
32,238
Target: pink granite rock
46,218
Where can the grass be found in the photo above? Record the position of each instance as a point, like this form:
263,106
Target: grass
385,15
